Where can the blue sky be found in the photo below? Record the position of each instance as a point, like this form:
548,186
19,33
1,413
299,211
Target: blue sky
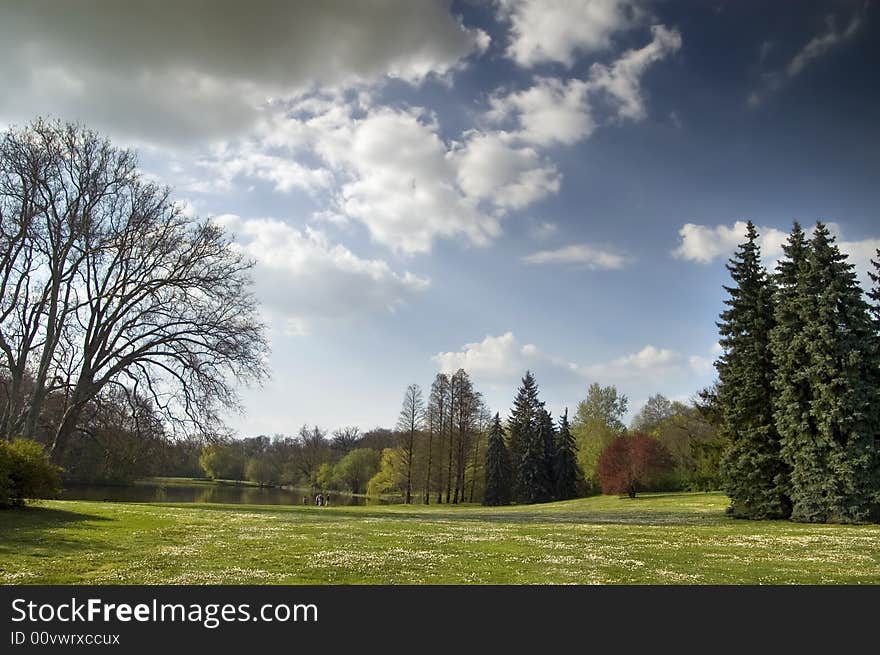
426,185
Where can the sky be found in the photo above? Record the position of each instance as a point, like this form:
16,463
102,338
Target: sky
498,186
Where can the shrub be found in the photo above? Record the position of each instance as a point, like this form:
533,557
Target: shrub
633,463
26,473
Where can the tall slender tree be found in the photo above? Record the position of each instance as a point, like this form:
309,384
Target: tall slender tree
548,436
756,477
412,416
568,476
522,426
499,474
874,293
833,453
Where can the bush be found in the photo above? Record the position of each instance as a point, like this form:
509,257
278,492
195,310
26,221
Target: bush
26,473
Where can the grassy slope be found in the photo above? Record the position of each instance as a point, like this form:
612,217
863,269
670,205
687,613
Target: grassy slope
673,538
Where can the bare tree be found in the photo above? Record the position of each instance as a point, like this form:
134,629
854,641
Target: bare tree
410,422
107,283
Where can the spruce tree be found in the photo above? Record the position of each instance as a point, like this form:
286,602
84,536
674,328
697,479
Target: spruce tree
755,475
548,437
568,477
499,475
832,450
874,293
522,429
535,485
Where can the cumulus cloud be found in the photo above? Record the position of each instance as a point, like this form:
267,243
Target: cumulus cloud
178,71
304,279
581,254
553,111
504,357
621,80
704,244
543,31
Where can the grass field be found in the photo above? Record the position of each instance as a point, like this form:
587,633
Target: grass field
663,539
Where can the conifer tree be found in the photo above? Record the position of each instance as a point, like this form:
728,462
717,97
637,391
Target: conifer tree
535,485
568,477
874,293
548,437
756,478
832,450
499,475
523,429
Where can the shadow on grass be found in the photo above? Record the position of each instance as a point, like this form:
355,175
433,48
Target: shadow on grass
541,515
26,529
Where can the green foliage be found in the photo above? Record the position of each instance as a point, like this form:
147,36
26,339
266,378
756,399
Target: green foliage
357,467
526,441
223,461
26,473
827,384
756,477
656,410
695,447
568,478
391,476
499,473
597,421
262,470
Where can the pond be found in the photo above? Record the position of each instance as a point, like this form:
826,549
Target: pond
203,491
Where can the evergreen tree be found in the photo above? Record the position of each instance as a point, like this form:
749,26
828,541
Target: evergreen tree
756,477
535,485
523,429
548,436
567,473
499,475
832,449
874,293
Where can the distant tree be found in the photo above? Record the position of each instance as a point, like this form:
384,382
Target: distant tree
756,477
326,477
262,470
832,449
499,473
596,423
344,439
223,460
569,479
523,433
535,483
656,410
390,476
547,429
357,467
695,447
435,417
313,449
409,423
632,463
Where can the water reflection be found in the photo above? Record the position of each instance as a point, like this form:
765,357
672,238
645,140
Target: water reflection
159,492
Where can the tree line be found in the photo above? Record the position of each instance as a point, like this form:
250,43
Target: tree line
798,388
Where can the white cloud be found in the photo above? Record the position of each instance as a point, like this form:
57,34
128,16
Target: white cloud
490,169
549,112
179,72
581,254
555,112
544,31
304,279
503,358
621,80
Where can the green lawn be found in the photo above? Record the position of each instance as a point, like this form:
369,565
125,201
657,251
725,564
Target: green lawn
664,538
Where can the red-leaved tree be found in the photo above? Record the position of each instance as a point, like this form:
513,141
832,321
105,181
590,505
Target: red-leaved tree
631,463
